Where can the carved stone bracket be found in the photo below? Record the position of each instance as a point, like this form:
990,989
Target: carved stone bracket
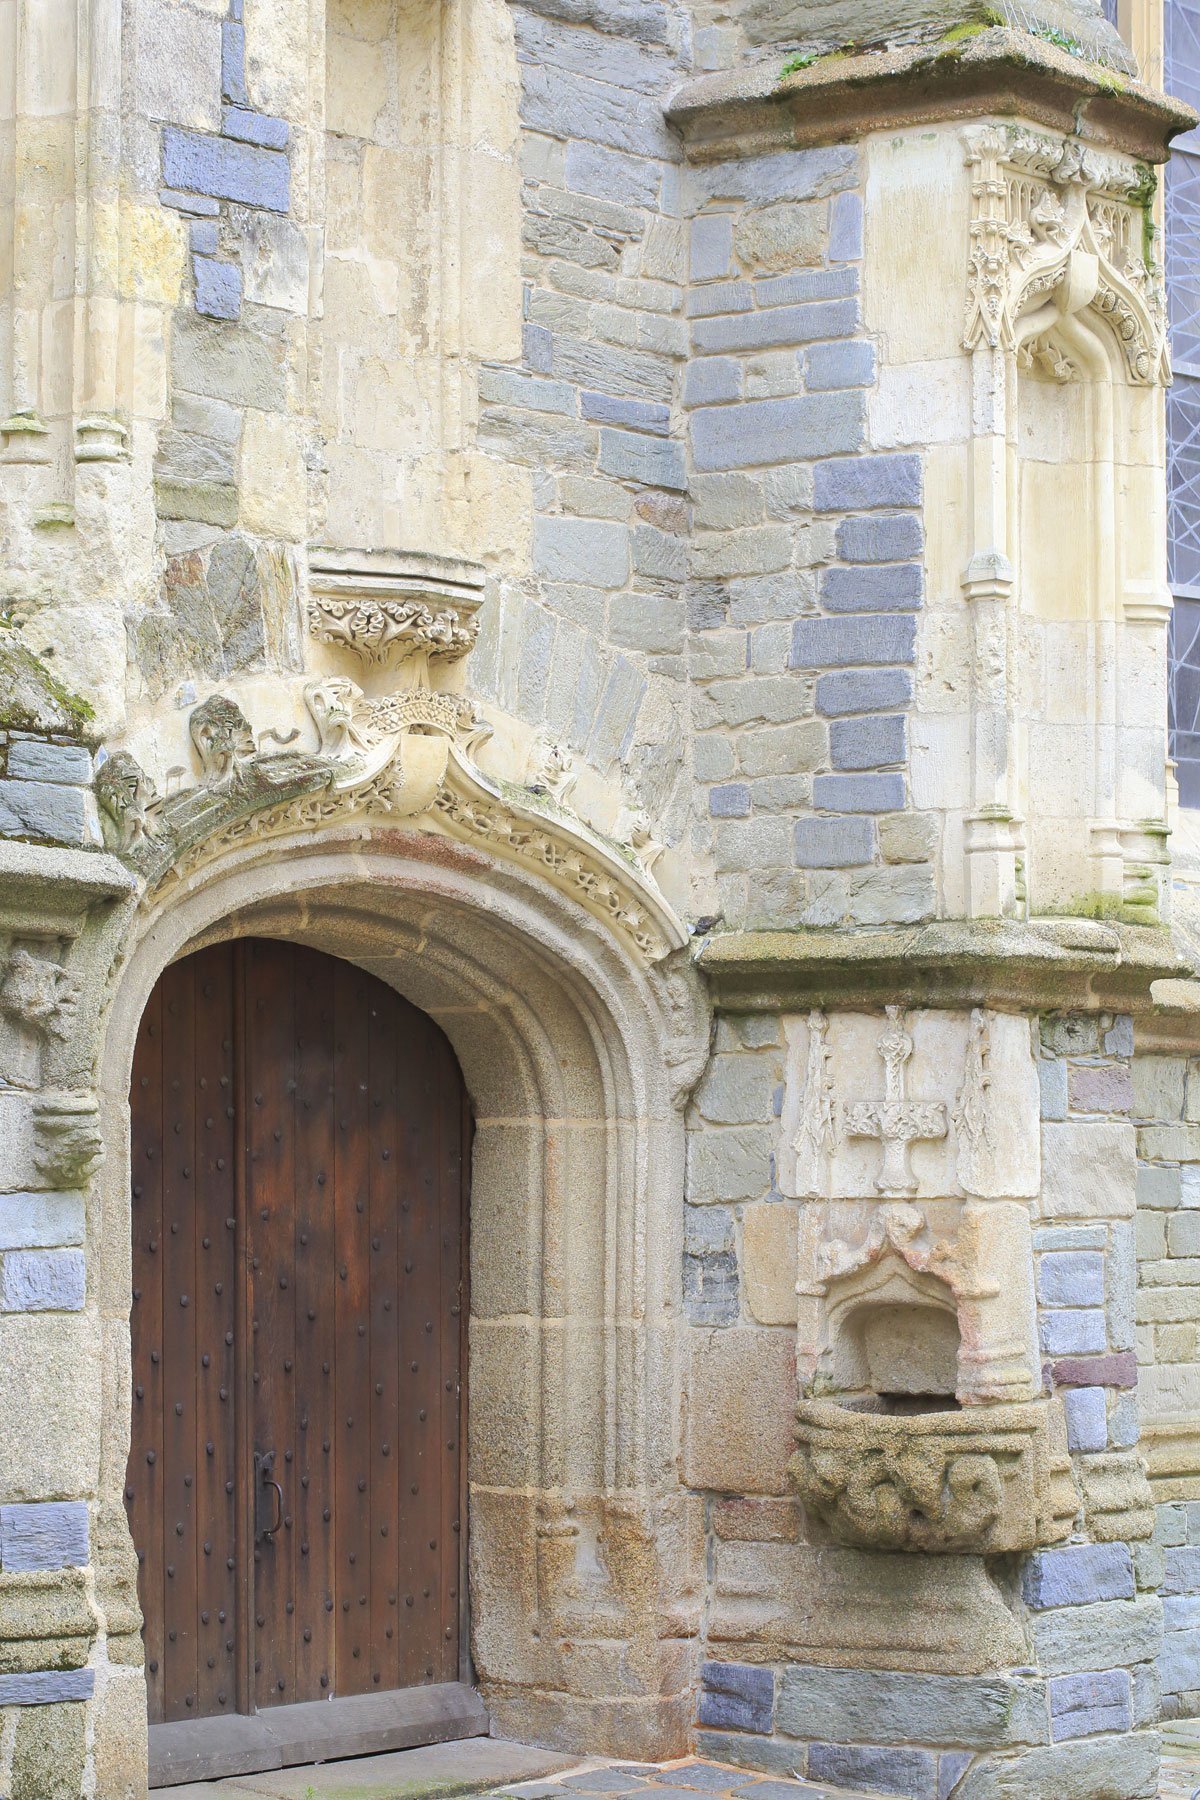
982,1481
68,1146
385,605
1056,229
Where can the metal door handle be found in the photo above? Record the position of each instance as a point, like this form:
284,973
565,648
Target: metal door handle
264,1462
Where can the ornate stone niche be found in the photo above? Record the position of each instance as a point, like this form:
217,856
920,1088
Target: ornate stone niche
922,1424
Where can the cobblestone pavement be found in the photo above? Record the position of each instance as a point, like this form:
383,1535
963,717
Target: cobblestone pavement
1181,1765
675,1781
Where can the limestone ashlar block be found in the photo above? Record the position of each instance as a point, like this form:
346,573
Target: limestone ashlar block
1077,1575
1081,1705
42,1281
736,1697
46,1687
51,1535
981,1480
885,1706
1088,1170
226,170
740,1396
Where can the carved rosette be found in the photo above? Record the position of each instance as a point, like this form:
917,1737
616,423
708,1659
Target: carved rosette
981,1481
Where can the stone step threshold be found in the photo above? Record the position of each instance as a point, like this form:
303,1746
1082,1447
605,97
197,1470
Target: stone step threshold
503,1771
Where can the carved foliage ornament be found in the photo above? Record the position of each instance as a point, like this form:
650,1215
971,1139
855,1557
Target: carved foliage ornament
376,629
1057,228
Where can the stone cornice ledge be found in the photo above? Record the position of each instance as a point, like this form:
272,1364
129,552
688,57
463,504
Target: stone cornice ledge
1074,964
748,110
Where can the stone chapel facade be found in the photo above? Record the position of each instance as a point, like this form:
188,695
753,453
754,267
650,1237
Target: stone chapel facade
599,1090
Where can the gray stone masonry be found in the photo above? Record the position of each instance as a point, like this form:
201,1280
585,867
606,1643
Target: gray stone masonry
806,567
45,790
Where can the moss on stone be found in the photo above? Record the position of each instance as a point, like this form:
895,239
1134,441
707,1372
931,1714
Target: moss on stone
31,698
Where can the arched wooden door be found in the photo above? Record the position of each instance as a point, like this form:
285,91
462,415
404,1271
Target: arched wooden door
300,1144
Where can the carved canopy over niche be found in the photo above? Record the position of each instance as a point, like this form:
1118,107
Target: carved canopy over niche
1058,229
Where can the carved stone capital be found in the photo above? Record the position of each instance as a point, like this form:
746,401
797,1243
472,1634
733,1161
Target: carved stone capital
392,605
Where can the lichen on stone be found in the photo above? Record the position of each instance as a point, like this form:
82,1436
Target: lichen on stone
31,699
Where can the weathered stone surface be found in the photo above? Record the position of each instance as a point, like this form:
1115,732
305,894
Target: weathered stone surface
734,1697
740,1400
769,1262
40,1221
772,431
1109,1768
48,1753
1088,1171
891,1708
1103,1635
225,169
1078,1575
30,759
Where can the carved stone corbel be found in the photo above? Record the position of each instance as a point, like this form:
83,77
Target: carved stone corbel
39,994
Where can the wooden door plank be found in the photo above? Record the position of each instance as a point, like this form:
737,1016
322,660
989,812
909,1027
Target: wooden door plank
218,1577
316,1280
143,1491
271,1190
384,1493
179,1339
352,1422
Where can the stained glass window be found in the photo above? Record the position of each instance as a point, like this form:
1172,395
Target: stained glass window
1182,78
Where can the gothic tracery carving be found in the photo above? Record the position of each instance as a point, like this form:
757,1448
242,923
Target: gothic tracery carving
1057,228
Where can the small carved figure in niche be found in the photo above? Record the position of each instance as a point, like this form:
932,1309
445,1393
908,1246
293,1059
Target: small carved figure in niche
39,994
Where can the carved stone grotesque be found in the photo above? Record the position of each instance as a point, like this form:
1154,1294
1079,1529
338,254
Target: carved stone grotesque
223,739
550,769
980,1481
128,797
69,1146
39,994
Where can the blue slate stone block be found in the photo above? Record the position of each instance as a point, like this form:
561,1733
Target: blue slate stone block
1071,1278
644,459
537,348
834,843
711,380
233,62
859,793
30,759
712,246
42,1281
1081,1705
730,802
890,587
226,170
844,365
952,1766
43,809
1077,1575
46,1687
1087,1419
49,1535
255,128
846,228
639,415
199,204
910,1773
736,1697
806,284
863,483
1182,1571
1075,1332
777,431
866,638
872,743
863,691
875,538
780,325
218,288
203,237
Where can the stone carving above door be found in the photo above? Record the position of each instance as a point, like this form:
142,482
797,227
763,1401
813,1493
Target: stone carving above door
391,606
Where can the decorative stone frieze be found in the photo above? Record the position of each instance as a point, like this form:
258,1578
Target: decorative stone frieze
985,1480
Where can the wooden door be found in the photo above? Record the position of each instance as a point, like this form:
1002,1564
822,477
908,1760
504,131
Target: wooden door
299,1158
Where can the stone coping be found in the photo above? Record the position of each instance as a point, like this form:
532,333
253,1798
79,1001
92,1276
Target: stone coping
994,71
42,876
1076,964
